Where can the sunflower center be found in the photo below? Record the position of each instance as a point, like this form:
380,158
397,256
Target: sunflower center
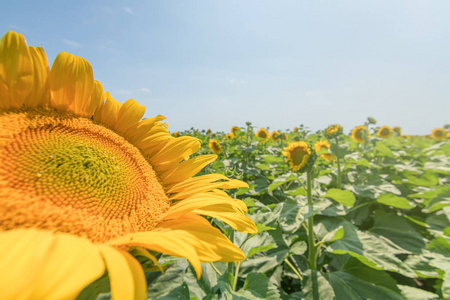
297,156
66,173
384,132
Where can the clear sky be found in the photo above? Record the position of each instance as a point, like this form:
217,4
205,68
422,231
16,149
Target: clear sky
214,64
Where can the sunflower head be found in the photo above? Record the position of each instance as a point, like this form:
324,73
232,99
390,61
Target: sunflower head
176,134
230,136
295,129
234,129
276,136
438,134
215,146
208,131
300,156
398,130
80,170
333,131
447,136
385,132
328,157
371,120
319,145
358,133
263,134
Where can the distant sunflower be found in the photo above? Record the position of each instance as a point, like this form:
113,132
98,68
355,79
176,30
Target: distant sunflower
333,130
276,136
438,134
213,135
328,157
319,145
385,132
371,120
83,180
447,135
398,130
285,136
215,146
358,133
263,134
176,134
295,129
234,129
299,156
208,131
230,136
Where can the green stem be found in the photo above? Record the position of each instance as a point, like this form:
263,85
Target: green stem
286,260
215,269
339,175
230,264
311,243
236,273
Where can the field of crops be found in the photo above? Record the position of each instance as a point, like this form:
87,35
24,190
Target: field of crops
367,219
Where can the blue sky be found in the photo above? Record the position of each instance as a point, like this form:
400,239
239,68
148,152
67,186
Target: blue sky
215,64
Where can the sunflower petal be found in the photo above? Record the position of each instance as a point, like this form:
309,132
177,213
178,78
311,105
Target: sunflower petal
16,70
126,280
71,84
40,95
61,264
106,113
129,115
176,150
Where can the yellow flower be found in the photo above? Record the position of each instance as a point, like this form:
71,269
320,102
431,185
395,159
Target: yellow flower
319,145
83,180
176,134
263,134
438,134
333,130
215,146
299,156
328,157
385,132
296,129
285,136
448,135
358,133
213,134
398,130
234,129
208,131
276,136
230,136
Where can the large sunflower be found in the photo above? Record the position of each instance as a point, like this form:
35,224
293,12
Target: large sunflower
263,134
83,180
299,155
438,134
358,133
385,132
215,146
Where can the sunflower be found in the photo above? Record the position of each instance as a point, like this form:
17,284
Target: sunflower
215,146
385,132
328,157
176,134
300,156
276,136
358,133
263,134
285,136
333,131
234,129
295,129
398,130
438,134
447,136
319,145
208,131
230,136
371,120
84,181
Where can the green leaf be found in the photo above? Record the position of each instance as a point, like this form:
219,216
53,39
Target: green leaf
383,150
259,249
298,248
290,216
344,197
181,293
316,286
297,192
398,230
428,179
393,200
260,287
412,293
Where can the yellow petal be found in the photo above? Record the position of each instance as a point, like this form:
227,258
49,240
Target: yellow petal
106,113
71,84
126,279
40,94
16,70
176,150
129,116
61,265
145,253
186,169
143,128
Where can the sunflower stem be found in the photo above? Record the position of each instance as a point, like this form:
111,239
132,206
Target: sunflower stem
339,175
231,264
286,260
236,273
311,244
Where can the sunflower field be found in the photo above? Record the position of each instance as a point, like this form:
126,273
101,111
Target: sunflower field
358,216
